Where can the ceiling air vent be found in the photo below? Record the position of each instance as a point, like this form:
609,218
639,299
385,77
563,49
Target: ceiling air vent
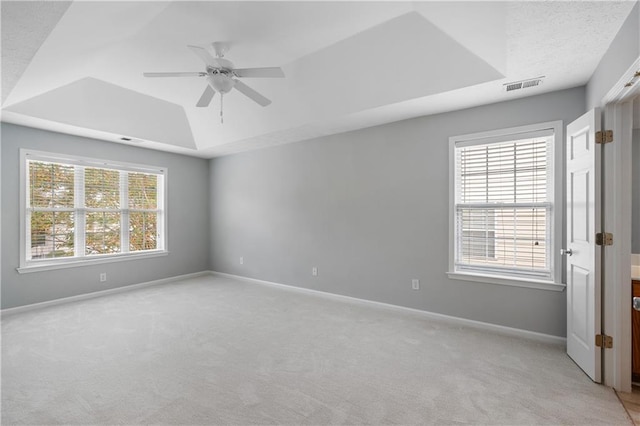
523,84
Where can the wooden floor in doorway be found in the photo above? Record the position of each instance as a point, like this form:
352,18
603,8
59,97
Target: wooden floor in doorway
631,402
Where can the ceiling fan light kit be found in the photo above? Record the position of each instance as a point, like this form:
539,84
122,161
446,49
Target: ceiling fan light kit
221,82
222,77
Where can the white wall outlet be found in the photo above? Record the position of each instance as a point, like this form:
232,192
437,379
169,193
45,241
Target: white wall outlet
314,271
103,277
415,284
241,260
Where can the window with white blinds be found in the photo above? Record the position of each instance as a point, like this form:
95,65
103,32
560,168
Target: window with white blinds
83,209
503,204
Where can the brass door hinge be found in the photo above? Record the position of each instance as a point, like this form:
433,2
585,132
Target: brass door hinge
604,341
604,239
604,136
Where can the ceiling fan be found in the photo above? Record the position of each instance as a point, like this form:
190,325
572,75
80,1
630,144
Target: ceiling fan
222,76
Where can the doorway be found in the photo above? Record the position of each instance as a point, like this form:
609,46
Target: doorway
617,208
635,240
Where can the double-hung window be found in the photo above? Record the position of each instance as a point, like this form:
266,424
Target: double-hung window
506,205
80,209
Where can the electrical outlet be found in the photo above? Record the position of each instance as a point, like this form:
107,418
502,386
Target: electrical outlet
103,277
241,260
415,284
314,271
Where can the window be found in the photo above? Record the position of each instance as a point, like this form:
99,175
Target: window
80,209
504,210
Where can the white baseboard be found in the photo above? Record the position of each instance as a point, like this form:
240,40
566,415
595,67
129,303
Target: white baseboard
532,335
39,305
541,337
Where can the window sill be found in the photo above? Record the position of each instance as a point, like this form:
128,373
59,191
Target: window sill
74,263
513,282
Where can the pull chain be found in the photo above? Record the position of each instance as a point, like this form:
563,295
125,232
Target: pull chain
221,117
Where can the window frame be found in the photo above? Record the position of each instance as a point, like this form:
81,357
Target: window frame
556,170
31,265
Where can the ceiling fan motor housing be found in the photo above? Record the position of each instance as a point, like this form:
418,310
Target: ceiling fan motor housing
220,77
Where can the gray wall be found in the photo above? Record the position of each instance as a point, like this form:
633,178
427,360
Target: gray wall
369,208
635,188
188,221
622,52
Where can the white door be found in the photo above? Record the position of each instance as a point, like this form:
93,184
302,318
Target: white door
583,257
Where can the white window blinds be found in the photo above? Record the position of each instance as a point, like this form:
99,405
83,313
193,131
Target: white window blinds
79,208
503,207
143,211
103,216
51,194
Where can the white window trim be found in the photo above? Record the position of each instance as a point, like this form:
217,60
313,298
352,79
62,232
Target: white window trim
27,266
555,284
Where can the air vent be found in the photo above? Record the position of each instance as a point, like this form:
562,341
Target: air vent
514,86
523,84
128,139
531,83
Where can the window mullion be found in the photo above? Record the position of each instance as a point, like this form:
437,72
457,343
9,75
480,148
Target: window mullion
28,183
124,209
160,207
80,212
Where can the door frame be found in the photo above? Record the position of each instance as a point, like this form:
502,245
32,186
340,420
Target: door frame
618,116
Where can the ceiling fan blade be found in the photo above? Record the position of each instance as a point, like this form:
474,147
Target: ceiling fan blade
174,74
268,72
206,97
206,57
250,93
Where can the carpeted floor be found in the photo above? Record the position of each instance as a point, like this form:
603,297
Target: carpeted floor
215,350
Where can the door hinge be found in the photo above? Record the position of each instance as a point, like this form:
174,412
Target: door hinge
604,136
604,239
604,341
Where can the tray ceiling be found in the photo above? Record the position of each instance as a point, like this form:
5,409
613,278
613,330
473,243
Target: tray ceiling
348,64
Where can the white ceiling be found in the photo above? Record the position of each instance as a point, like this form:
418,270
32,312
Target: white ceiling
78,68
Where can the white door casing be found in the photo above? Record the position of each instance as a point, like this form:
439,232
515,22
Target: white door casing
617,187
583,265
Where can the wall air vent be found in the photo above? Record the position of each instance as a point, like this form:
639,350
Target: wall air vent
128,139
531,83
523,84
514,86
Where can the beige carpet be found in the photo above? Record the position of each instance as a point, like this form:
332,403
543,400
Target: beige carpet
215,350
